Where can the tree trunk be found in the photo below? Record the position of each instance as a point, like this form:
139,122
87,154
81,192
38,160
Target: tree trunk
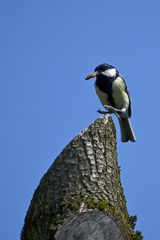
81,196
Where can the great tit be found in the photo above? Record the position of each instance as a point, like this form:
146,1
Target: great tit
112,91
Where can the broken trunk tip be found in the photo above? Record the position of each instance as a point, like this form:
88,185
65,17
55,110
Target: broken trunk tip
82,185
103,123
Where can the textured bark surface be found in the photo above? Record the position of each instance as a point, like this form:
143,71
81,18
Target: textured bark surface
81,196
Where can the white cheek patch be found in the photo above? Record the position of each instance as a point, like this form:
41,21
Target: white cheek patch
110,72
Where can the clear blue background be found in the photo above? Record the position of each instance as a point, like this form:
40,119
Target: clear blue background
46,49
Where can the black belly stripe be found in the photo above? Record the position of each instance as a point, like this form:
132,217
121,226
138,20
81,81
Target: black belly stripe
105,85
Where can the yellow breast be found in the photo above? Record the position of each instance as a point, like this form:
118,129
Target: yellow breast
120,96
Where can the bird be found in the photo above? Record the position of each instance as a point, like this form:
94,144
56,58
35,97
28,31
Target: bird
113,93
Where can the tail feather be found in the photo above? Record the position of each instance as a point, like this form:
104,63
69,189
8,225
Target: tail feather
127,133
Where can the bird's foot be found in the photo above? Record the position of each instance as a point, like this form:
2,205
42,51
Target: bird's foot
118,112
110,109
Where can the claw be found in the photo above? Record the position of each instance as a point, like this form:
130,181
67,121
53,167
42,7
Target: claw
110,109
118,112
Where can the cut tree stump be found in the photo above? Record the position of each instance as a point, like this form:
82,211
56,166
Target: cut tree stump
81,196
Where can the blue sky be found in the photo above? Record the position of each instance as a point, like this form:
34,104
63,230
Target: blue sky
46,49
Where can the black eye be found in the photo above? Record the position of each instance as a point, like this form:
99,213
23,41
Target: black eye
103,69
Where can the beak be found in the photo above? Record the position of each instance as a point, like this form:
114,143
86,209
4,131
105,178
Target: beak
92,75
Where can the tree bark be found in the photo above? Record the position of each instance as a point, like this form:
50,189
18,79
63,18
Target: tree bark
81,196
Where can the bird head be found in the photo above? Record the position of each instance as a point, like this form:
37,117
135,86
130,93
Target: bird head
103,69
